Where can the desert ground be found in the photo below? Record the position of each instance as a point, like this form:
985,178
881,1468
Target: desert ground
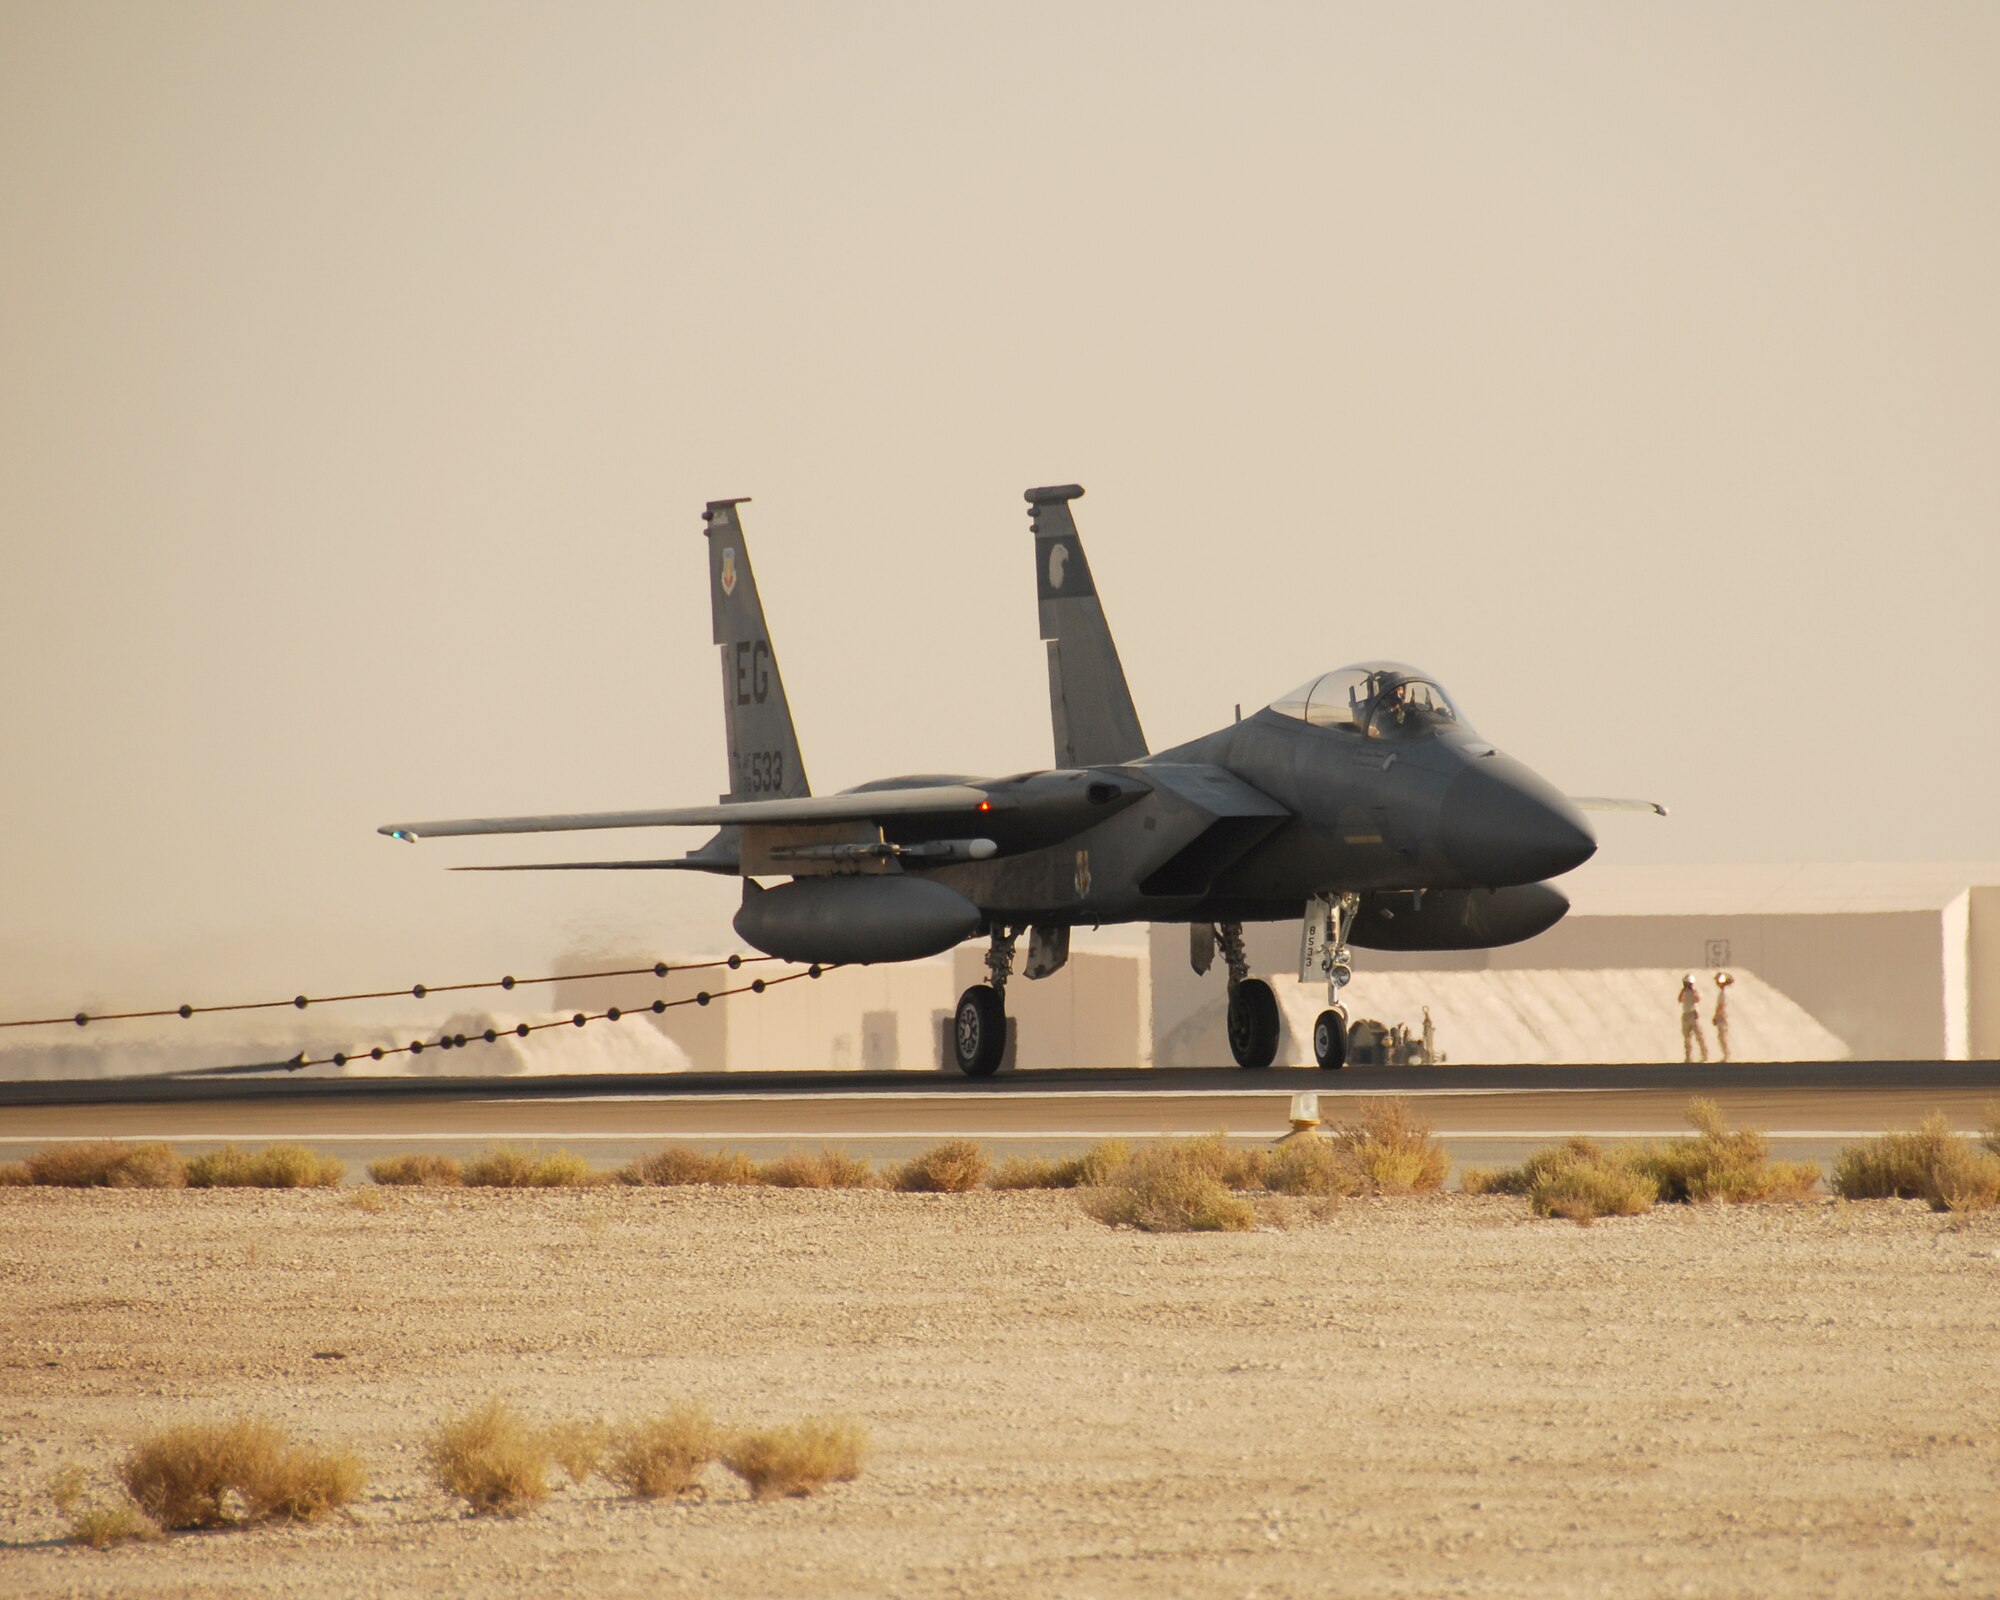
1381,1397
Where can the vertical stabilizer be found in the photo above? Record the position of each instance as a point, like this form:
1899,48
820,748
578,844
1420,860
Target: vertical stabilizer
764,761
1095,721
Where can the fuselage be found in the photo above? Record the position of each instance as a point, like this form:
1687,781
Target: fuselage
1249,822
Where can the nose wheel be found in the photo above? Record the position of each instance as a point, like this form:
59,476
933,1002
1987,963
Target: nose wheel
1330,1040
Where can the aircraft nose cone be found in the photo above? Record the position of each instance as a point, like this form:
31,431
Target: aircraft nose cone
1500,824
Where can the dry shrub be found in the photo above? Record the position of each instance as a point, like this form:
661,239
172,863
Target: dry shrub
1171,1187
663,1455
107,1164
677,1164
562,1169
1311,1166
1032,1172
949,1168
66,1487
506,1166
500,1166
799,1458
1539,1167
234,1474
1989,1127
1719,1165
101,1527
1232,1166
369,1201
828,1169
493,1460
577,1446
1392,1150
420,1171
15,1175
98,1526
1586,1190
1578,1179
1092,1167
276,1166
1101,1163
1933,1165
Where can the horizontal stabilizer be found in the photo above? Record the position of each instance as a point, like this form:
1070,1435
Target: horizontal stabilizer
674,864
1599,802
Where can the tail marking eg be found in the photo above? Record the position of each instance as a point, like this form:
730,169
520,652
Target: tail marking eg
764,759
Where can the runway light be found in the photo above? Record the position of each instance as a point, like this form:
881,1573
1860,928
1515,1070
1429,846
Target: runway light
986,805
1304,1118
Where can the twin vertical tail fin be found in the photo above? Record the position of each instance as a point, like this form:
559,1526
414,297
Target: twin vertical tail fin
1095,721
764,761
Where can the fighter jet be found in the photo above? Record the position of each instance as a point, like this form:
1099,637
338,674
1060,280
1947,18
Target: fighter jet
1363,803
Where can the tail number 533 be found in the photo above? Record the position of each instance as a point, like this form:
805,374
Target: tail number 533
763,771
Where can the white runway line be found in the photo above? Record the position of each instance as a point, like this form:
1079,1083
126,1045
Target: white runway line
845,1136
995,1096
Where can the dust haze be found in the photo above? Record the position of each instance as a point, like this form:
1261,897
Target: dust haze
363,371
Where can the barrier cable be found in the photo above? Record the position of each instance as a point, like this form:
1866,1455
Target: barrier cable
416,991
521,1030
452,1041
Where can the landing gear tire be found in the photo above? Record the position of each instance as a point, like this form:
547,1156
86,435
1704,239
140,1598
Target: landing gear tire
1253,1024
1330,1041
979,1031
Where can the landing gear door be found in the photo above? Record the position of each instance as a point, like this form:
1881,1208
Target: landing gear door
1315,941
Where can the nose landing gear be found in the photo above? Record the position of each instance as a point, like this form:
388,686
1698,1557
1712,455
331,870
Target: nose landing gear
979,1026
1323,953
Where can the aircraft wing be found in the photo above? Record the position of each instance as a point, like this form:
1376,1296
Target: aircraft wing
1599,802
874,805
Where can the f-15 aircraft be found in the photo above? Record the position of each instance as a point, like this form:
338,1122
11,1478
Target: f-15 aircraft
1362,803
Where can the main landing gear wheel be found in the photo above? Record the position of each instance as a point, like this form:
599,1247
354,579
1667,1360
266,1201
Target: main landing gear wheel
1253,1023
1330,1040
979,1031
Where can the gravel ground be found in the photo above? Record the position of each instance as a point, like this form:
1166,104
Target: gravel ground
1394,1397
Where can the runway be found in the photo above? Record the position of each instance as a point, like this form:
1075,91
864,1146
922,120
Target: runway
1482,1114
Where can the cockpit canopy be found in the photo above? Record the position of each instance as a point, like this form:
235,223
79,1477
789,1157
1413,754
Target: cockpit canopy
1375,700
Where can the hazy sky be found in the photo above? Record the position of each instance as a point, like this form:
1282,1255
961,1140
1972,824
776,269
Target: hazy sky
364,369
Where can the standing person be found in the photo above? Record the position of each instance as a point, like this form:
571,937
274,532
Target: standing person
1691,1034
1722,983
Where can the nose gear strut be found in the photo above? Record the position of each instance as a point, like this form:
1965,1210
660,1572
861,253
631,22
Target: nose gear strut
1324,953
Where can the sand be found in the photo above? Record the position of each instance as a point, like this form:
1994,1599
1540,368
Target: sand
1416,1396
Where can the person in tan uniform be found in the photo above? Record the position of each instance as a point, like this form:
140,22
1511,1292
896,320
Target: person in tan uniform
1691,1034
1722,983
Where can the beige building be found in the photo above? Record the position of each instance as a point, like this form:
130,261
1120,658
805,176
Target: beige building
1889,961
882,1018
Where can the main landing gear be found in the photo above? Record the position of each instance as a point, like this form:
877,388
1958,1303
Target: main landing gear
1253,1008
979,1027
